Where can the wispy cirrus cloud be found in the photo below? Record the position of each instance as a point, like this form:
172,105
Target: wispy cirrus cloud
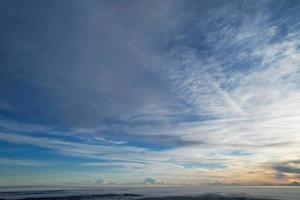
70,148
17,162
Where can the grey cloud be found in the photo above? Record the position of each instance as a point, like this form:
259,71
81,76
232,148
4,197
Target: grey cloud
174,140
101,181
115,165
291,167
150,181
287,169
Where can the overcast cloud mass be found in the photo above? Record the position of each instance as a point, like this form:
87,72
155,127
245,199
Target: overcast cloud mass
149,92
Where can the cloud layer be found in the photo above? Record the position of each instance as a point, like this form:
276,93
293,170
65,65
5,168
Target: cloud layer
189,92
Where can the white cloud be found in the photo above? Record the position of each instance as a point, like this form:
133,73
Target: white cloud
73,148
18,162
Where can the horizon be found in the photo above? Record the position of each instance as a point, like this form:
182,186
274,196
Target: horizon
142,185
149,93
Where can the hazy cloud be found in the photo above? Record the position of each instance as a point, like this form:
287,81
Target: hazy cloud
150,181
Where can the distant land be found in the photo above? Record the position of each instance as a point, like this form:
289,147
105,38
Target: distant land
294,184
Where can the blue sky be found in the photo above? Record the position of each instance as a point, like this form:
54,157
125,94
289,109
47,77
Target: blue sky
149,92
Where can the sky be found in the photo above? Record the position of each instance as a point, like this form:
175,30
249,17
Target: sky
141,92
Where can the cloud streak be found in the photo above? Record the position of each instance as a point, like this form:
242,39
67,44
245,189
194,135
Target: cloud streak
28,163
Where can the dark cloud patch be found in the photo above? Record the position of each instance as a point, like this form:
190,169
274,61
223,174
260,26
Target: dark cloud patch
287,169
150,181
190,143
169,141
290,167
